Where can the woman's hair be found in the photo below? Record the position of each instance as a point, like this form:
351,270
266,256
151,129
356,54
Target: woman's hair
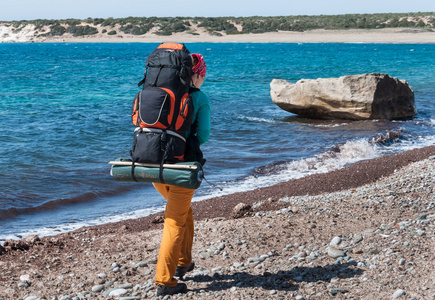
194,61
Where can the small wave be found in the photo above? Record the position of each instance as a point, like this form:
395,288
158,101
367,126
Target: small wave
255,119
51,205
331,125
389,137
70,226
338,157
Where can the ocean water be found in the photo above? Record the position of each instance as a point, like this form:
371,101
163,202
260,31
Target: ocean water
65,113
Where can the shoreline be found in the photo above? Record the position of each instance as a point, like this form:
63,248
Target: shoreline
379,209
350,177
383,36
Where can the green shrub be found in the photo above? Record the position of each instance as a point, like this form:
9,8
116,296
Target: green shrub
135,29
164,33
57,30
113,32
82,30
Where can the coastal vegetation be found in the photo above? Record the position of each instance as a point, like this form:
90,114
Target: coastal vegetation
222,25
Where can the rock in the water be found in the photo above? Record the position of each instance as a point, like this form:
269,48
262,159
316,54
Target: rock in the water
357,97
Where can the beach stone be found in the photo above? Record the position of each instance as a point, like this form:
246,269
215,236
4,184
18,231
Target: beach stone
338,291
97,288
15,245
357,238
118,292
204,255
25,278
240,210
398,293
23,284
115,292
335,253
221,246
126,286
142,265
335,241
356,97
31,240
31,298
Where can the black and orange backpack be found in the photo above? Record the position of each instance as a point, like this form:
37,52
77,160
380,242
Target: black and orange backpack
163,110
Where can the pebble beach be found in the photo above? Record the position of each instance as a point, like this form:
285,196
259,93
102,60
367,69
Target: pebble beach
362,232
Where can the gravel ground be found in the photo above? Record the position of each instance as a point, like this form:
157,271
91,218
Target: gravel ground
375,241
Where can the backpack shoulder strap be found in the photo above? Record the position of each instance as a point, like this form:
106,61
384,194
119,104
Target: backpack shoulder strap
193,89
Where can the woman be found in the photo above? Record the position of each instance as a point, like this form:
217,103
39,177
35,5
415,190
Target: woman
175,255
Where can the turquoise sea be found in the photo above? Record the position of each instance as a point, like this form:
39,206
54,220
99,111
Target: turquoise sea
65,113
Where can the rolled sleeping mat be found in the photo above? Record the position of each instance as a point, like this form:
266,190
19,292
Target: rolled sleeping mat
186,174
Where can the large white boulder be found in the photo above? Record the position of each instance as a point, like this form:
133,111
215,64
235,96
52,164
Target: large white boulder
366,96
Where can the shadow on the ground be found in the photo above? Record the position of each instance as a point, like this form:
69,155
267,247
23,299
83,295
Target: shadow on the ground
282,280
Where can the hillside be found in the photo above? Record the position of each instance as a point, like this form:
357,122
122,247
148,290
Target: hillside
46,30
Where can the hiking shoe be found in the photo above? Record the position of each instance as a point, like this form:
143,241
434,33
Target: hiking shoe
163,290
180,271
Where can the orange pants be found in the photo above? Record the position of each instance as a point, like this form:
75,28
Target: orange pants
177,240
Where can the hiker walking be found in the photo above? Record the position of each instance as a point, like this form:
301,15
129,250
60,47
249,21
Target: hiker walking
175,255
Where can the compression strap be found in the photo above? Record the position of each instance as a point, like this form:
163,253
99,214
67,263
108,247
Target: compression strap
156,130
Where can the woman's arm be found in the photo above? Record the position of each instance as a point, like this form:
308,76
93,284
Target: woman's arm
203,117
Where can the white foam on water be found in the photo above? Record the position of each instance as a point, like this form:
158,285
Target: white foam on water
350,152
331,125
405,145
66,227
343,155
255,119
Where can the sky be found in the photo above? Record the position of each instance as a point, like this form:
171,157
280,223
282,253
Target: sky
82,9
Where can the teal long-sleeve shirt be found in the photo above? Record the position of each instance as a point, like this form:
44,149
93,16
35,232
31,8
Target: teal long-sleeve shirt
201,103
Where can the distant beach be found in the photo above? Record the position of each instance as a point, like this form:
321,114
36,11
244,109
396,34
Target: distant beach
387,35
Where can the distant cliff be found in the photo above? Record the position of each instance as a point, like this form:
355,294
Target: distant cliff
46,30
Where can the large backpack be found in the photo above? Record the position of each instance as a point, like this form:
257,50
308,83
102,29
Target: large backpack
163,110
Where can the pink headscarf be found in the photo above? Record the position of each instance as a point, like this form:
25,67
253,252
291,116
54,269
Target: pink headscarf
200,67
